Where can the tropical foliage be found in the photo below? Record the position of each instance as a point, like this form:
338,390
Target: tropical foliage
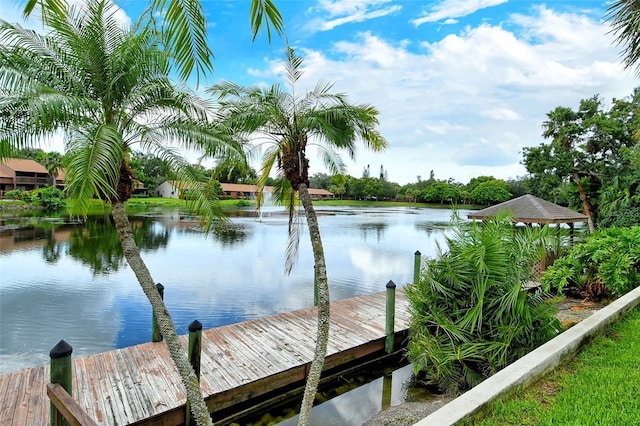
471,315
106,87
607,263
593,156
286,123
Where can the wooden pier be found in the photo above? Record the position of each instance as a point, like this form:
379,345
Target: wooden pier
139,384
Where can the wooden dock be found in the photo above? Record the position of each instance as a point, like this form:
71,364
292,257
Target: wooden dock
139,384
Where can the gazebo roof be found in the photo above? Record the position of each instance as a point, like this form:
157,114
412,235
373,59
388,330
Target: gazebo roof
530,209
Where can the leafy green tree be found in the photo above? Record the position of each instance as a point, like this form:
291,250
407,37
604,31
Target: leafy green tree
588,148
441,192
489,192
470,314
320,181
107,88
234,172
292,122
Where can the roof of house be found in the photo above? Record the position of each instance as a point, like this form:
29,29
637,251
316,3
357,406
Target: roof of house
531,209
23,165
236,187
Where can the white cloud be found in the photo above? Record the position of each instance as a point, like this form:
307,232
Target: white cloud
467,104
341,12
447,10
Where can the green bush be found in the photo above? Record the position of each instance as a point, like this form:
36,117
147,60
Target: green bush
243,203
14,194
608,262
621,218
470,314
50,198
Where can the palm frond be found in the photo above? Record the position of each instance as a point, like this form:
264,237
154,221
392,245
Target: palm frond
264,12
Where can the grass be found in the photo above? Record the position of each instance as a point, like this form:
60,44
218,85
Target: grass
600,386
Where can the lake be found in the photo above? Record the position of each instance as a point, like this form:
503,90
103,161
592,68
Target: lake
61,279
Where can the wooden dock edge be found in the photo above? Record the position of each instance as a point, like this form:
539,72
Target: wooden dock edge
282,386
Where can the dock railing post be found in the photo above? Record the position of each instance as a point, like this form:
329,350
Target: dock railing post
156,334
195,350
60,373
390,317
417,258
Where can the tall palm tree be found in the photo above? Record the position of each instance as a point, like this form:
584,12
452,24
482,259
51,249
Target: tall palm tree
106,88
290,122
184,28
624,16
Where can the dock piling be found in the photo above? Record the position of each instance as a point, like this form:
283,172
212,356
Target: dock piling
416,265
390,317
60,373
156,334
195,350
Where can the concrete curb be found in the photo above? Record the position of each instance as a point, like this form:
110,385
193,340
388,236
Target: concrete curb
534,365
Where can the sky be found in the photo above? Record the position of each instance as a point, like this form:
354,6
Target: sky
461,86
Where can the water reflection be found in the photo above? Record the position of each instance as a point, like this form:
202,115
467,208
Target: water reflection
65,280
355,407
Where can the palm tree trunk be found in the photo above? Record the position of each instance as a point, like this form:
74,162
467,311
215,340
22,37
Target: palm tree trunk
313,379
165,323
585,202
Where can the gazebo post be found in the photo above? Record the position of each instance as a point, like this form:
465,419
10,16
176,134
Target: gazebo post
571,226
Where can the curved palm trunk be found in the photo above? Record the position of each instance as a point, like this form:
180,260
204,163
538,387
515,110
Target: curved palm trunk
585,203
313,379
165,323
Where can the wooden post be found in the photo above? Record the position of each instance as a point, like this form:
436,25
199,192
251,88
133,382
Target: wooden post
195,349
61,373
390,317
387,381
417,257
156,334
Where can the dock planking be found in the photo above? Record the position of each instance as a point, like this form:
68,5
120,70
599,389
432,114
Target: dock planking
139,384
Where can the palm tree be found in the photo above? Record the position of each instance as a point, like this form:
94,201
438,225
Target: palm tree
289,123
184,28
624,16
106,88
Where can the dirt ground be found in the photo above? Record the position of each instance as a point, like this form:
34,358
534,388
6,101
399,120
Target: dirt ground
570,312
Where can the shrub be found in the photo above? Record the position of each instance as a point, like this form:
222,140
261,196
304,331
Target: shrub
470,314
243,203
14,194
50,198
608,262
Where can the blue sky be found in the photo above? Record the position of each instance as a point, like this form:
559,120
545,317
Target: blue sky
461,85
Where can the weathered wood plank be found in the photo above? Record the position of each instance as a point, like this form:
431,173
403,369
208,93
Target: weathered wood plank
69,408
140,385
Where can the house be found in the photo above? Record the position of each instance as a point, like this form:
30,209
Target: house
167,189
21,174
234,190
170,189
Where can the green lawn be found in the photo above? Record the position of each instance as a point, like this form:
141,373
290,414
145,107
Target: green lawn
600,386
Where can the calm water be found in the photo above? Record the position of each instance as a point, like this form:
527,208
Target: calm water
69,281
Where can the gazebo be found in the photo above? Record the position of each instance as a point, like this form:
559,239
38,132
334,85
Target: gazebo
529,209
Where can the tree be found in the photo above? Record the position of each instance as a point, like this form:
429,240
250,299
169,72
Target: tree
290,123
107,88
489,193
441,192
589,148
183,31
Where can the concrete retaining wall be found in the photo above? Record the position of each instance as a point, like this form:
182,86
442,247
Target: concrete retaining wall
534,365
